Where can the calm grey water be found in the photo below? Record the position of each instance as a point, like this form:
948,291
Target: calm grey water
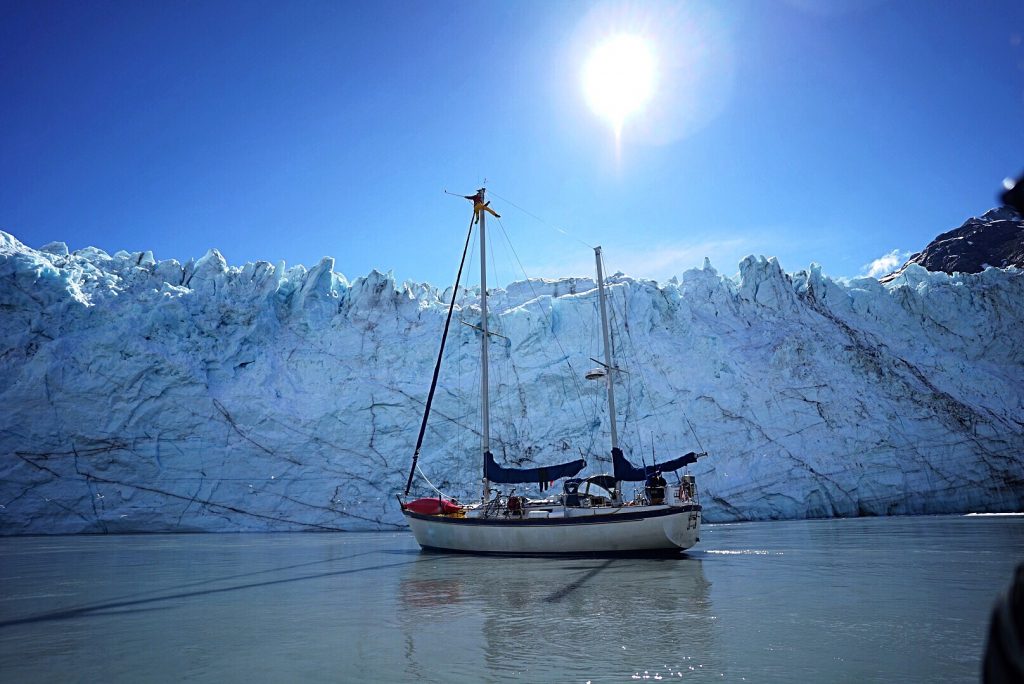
899,599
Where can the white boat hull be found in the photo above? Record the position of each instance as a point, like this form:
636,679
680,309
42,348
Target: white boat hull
641,529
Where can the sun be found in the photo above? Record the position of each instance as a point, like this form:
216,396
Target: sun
619,78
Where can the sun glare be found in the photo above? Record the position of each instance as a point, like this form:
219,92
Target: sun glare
619,79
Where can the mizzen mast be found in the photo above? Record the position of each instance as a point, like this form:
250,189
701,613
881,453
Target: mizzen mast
609,368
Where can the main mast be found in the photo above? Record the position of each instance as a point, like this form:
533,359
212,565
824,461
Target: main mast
479,209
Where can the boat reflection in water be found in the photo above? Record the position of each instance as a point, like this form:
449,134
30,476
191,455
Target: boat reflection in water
557,619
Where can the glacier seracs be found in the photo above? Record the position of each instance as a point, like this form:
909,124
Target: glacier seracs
145,395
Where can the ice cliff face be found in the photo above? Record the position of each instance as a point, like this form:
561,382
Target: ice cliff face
141,395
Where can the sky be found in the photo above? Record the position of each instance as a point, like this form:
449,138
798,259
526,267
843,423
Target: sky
838,133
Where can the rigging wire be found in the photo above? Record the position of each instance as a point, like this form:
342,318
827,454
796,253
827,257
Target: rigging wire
538,218
472,395
550,323
431,484
624,348
469,383
630,350
692,431
517,416
503,391
668,382
437,365
595,351
529,281
616,365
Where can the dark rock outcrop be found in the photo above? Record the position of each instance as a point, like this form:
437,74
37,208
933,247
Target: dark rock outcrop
996,238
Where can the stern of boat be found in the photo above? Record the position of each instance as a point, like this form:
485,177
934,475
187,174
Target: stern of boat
684,530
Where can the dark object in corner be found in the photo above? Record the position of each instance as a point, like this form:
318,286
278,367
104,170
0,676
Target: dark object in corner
1014,196
1004,652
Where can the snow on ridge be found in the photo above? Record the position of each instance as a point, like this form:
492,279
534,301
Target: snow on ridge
146,395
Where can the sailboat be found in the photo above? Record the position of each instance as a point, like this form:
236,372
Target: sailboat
590,516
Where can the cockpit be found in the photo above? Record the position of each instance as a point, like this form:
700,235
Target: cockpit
596,490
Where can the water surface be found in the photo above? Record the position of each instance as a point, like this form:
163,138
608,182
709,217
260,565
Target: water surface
896,599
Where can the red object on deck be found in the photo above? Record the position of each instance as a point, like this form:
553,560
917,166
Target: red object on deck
431,506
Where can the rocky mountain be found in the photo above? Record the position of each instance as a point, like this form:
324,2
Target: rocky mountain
145,395
996,238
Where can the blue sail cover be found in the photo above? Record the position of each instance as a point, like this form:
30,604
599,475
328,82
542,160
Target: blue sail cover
542,475
626,471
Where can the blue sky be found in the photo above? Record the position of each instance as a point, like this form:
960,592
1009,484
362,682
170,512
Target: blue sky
812,131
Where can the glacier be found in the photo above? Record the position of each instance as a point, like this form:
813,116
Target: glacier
142,395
